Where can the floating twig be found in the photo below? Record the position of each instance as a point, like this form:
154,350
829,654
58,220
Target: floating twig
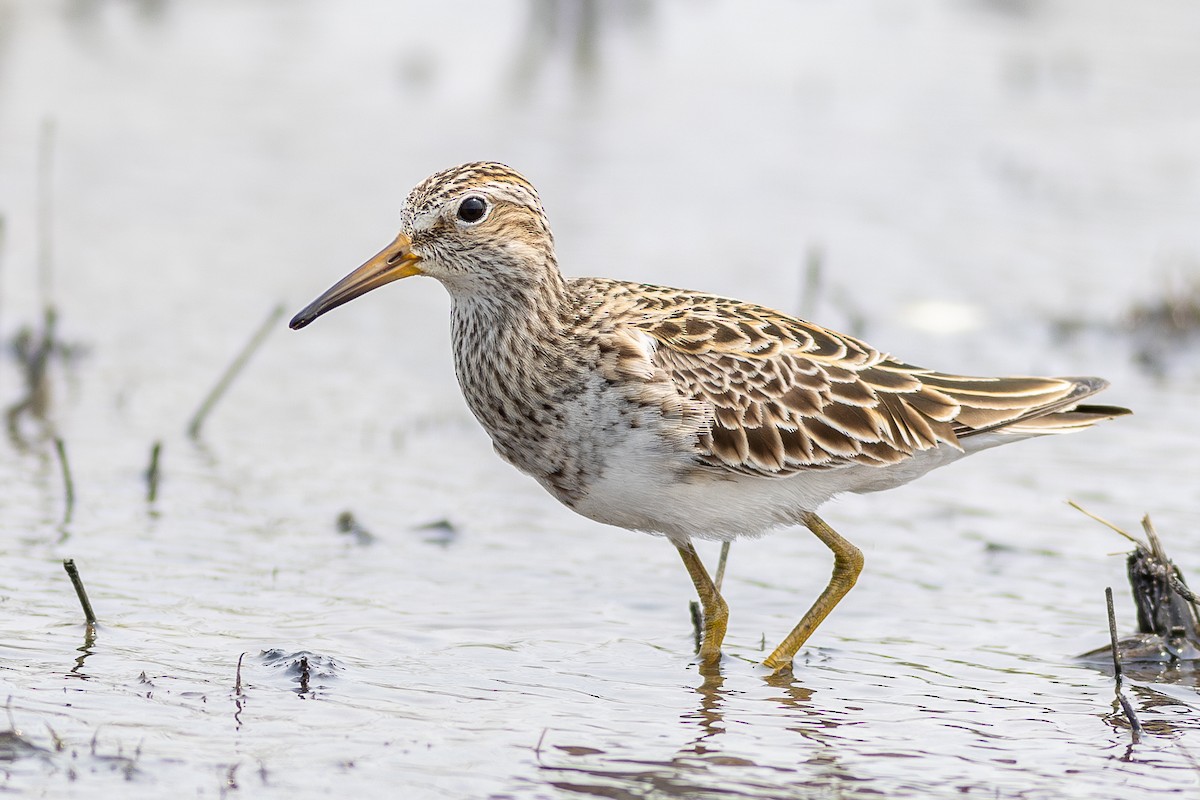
77,582
232,371
68,485
152,473
1135,725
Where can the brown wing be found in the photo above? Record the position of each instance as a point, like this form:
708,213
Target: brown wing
788,395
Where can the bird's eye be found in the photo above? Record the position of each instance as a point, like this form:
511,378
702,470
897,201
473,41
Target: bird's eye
472,209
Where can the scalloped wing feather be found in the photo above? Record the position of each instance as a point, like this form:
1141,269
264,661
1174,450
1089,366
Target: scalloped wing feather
783,395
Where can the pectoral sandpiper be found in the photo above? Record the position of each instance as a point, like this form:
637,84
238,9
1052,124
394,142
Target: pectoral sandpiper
679,413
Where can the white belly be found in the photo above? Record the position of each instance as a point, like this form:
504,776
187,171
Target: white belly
643,488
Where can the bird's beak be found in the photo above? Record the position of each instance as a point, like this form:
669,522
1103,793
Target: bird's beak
392,263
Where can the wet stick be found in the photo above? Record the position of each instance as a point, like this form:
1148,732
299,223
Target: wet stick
232,371
1135,725
77,582
237,686
68,484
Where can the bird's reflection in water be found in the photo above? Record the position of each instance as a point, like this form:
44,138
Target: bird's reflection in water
707,766
709,716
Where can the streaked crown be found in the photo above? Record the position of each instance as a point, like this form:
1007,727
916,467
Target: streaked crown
476,222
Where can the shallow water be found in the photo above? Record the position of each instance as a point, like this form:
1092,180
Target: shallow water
969,174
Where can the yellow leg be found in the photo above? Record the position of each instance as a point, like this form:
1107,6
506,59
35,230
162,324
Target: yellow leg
716,613
847,564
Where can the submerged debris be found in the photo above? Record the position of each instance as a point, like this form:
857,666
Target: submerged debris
304,668
1168,625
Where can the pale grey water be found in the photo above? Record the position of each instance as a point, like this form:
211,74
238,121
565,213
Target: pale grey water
971,172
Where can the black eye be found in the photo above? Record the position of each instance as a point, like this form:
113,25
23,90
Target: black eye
472,209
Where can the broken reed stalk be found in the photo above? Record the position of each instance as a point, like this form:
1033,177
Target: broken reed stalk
232,371
152,473
68,483
1135,725
77,582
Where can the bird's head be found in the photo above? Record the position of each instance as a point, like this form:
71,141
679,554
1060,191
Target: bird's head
478,228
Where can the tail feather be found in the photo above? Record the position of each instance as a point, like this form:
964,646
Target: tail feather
1061,414
1069,421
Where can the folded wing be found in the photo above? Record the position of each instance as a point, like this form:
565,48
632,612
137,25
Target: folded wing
787,395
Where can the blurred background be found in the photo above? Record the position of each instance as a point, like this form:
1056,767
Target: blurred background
981,186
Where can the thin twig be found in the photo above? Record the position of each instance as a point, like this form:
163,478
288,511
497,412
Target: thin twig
68,484
1135,725
237,686
1106,523
232,371
152,473
77,582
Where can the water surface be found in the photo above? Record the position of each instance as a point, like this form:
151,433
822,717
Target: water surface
967,174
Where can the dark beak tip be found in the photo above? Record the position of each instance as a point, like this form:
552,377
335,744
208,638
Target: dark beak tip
300,320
